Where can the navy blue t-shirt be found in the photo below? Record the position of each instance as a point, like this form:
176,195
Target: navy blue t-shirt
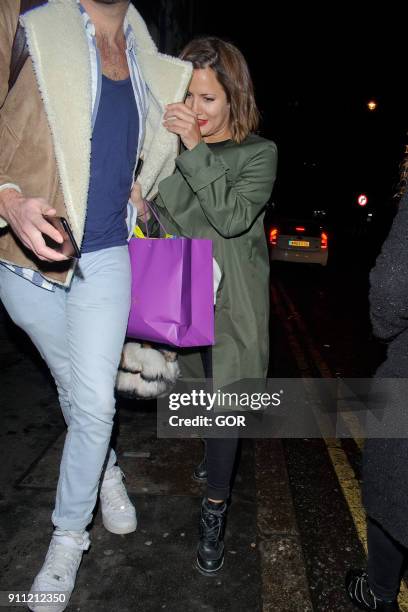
113,154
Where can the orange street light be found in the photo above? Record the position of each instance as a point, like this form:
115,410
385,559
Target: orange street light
372,105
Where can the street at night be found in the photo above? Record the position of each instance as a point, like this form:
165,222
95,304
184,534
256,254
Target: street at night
176,178
298,523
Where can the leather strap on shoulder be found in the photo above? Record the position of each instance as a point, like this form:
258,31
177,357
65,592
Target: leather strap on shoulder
19,52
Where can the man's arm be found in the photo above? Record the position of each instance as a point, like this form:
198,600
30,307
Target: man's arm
24,215
9,14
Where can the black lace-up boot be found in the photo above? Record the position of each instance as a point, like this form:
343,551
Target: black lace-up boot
361,595
210,552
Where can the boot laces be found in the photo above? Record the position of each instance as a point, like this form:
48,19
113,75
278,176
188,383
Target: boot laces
363,593
212,524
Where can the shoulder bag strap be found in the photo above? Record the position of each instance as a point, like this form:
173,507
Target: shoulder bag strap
19,52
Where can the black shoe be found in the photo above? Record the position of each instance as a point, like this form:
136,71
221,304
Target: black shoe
200,472
361,595
210,551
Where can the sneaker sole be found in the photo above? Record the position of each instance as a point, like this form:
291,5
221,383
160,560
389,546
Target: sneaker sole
198,479
119,530
42,608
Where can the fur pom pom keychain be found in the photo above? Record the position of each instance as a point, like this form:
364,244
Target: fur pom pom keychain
146,372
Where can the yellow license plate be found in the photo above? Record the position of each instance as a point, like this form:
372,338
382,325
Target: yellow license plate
299,243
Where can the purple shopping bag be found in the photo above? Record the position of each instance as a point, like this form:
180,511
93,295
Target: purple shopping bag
172,291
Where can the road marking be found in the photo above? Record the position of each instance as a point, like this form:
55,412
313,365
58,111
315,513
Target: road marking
345,474
323,368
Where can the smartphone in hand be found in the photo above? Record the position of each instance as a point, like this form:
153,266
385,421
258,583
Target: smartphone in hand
68,247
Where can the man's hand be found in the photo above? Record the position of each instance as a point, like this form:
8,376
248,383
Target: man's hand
25,217
181,120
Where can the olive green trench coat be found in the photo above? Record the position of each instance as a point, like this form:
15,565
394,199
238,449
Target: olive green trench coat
219,191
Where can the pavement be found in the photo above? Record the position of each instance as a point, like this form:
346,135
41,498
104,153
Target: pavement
153,568
295,524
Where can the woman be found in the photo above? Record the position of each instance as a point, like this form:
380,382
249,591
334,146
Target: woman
385,475
220,188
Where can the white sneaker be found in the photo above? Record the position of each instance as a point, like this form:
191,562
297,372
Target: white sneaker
56,579
118,512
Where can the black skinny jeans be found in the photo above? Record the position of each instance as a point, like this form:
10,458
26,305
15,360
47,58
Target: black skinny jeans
220,452
385,559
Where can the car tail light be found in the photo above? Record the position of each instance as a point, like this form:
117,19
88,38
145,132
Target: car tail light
323,240
273,236
300,229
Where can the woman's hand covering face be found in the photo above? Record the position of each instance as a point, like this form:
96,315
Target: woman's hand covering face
181,120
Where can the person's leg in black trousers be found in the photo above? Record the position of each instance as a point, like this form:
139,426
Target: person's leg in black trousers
219,463
221,453
385,559
378,588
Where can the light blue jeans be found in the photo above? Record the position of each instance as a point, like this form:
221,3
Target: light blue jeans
80,333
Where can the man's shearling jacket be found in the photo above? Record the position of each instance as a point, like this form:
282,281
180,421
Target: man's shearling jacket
45,120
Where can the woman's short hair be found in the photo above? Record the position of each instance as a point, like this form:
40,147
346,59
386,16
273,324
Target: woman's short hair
232,72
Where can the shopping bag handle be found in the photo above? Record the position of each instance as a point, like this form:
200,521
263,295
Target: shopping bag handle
155,215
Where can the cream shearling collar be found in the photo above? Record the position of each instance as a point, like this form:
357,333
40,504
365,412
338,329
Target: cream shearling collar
59,51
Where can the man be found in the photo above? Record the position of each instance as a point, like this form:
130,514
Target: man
87,104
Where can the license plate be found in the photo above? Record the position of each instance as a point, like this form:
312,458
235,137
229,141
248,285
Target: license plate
299,243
